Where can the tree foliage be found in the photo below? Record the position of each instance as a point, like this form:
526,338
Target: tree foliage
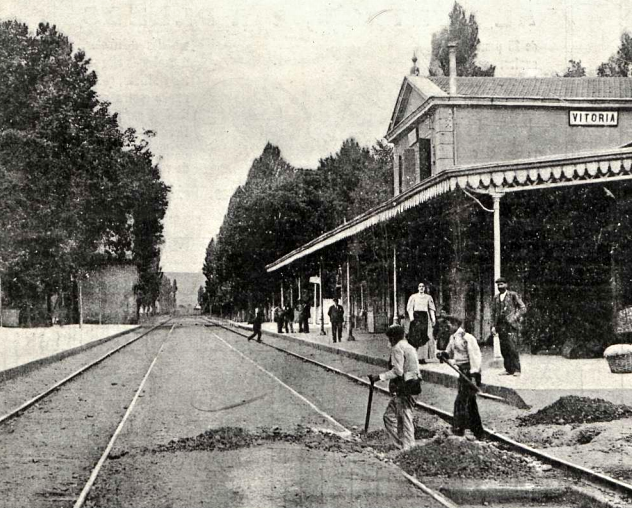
618,65
463,30
77,190
575,70
280,208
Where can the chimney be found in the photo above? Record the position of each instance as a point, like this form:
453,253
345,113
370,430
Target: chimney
452,67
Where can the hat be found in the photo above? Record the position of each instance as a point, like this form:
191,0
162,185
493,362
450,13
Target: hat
501,279
395,332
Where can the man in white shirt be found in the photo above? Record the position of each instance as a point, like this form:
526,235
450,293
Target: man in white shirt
404,363
463,351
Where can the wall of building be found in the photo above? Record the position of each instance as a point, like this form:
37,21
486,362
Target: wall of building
108,295
494,134
407,151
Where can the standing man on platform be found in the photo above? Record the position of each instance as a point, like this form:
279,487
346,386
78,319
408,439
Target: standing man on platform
336,316
288,318
507,311
303,317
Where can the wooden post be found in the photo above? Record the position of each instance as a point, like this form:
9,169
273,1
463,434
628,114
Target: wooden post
282,299
80,286
349,319
395,316
322,311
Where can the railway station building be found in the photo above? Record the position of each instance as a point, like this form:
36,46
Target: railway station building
528,178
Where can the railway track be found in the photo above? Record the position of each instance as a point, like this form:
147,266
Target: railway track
70,488
63,438
591,477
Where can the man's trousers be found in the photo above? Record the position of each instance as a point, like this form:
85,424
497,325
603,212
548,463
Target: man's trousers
398,421
508,339
336,331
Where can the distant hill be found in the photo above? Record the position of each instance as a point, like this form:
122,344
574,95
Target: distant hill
188,285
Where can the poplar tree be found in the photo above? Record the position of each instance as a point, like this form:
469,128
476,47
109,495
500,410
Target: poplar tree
464,31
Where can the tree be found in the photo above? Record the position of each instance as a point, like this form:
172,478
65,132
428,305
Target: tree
619,63
76,191
464,31
575,70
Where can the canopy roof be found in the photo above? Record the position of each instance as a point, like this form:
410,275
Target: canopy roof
537,173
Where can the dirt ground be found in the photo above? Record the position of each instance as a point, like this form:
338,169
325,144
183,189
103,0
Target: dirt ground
602,446
213,429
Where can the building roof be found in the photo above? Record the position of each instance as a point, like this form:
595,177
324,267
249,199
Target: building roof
595,167
560,88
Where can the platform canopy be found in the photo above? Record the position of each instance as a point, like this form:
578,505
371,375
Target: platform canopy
539,173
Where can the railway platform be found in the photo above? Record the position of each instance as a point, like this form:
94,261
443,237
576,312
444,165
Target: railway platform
544,379
23,349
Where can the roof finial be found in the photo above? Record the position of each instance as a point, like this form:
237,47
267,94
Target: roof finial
414,70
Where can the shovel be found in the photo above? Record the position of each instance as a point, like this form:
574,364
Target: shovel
368,409
473,385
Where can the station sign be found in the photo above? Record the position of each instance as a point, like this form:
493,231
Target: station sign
593,118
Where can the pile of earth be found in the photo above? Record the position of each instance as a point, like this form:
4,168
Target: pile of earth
233,438
574,409
452,457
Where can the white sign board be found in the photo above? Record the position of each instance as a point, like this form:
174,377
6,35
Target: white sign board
593,118
315,279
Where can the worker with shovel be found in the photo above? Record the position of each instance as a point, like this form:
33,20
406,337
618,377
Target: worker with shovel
463,350
404,383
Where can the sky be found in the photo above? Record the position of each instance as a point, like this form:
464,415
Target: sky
218,79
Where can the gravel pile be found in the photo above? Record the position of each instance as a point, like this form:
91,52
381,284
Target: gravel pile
574,409
233,438
459,458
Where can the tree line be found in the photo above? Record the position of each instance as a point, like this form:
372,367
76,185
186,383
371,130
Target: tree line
280,208
76,190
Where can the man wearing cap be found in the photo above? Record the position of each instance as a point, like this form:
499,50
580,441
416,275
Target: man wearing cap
507,311
404,363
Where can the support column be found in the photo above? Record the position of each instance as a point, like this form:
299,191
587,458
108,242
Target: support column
349,317
322,311
497,271
282,298
395,316
80,286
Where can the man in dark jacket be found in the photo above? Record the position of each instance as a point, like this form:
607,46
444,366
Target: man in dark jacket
288,316
256,325
507,311
336,316
303,318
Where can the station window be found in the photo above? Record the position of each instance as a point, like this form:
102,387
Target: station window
425,159
400,173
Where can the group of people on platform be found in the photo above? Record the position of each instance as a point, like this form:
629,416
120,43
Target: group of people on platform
284,319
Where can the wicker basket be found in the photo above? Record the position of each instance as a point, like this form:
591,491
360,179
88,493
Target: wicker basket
619,358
